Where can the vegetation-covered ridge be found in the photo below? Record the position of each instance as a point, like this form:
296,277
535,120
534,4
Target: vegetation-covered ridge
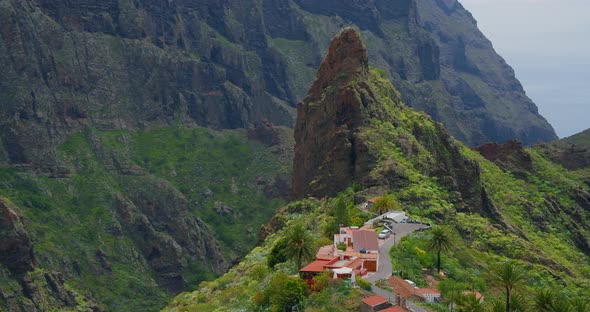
129,222
494,209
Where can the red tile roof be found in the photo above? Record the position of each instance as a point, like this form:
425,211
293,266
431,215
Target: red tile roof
316,266
375,300
355,263
423,291
326,252
366,239
401,287
394,309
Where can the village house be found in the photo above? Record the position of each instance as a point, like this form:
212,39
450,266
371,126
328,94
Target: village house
359,243
361,255
374,303
370,202
409,292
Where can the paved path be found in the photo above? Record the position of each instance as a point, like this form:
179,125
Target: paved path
385,266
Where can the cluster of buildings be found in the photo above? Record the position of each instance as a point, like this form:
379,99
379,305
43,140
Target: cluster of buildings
357,256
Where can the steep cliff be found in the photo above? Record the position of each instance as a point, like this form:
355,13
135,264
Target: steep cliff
230,64
354,128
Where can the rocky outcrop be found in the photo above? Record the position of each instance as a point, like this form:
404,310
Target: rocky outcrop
342,120
157,217
16,250
266,133
37,290
510,156
572,152
329,154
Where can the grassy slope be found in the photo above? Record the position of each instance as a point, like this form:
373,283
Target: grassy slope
70,218
547,249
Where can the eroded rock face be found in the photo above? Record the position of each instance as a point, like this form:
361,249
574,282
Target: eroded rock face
157,217
39,290
572,152
332,145
16,250
265,132
110,64
510,156
328,153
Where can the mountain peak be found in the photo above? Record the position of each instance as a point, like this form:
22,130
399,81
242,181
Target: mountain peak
347,59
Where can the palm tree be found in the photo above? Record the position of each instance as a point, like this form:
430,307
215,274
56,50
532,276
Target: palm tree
439,242
299,244
509,275
580,305
544,299
470,303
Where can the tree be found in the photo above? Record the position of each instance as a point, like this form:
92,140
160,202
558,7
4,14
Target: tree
341,211
439,241
284,292
544,300
470,303
300,244
509,275
278,253
385,204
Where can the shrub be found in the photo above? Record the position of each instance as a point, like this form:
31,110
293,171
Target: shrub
277,253
366,285
284,291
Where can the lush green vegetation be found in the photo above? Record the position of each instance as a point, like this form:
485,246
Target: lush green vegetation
222,175
255,286
533,227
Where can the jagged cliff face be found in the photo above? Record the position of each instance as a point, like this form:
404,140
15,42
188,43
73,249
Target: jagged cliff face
329,154
132,64
352,121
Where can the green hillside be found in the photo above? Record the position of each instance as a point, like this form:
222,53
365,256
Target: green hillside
538,218
125,220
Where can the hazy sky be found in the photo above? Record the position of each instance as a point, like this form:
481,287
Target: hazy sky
547,42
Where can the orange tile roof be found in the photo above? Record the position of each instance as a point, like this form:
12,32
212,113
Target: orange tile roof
394,309
422,291
355,263
375,300
316,266
401,287
326,252
366,239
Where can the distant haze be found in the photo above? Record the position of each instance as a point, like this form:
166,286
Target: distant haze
547,42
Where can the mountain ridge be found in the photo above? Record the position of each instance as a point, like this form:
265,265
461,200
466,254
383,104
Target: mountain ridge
494,215
138,65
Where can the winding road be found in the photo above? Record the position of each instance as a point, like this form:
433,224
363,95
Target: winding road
385,266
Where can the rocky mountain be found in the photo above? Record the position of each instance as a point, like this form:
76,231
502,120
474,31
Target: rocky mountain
127,174
355,139
230,64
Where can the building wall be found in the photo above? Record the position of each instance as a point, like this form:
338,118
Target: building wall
370,265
